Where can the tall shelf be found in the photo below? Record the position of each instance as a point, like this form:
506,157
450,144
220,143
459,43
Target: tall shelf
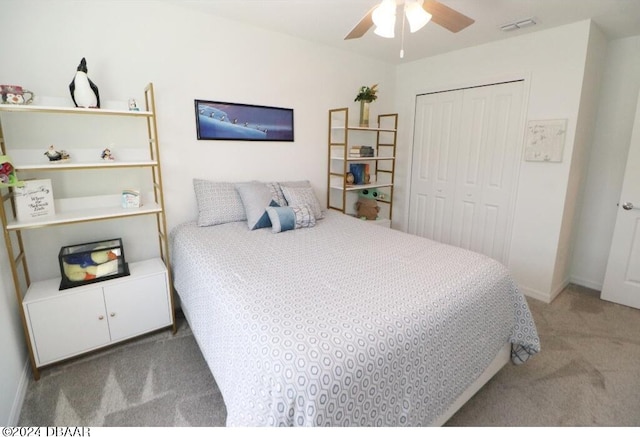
341,195
61,324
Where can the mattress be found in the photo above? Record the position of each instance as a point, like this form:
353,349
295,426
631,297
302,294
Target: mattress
344,323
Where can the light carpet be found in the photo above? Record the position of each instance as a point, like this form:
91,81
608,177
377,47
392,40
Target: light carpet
587,374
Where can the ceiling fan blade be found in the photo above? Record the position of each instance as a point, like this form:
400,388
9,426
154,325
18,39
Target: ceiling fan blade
361,28
446,17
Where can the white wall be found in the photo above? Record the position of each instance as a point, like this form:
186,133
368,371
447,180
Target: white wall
553,64
611,139
14,354
594,66
187,55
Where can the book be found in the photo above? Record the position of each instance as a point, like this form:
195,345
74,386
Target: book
361,151
358,173
34,200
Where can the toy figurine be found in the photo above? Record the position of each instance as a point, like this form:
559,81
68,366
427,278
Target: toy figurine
106,155
8,175
56,156
133,106
367,207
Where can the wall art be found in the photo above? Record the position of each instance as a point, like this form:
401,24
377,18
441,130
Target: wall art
545,140
237,121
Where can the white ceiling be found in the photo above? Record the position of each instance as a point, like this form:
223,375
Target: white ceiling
328,21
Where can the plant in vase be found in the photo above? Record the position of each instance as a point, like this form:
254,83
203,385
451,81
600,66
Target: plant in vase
365,96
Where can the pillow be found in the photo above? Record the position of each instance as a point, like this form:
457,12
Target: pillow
287,218
256,196
276,193
218,203
303,196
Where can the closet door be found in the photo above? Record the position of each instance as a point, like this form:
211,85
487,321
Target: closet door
433,167
481,175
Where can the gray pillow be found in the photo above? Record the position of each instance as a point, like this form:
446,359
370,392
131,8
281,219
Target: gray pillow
256,197
297,196
218,203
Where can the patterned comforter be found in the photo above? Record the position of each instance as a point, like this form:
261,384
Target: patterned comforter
345,323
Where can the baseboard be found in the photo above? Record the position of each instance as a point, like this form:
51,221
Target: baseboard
21,392
535,294
586,283
559,289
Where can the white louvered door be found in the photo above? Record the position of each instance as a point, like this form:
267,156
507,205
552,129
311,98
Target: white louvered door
467,145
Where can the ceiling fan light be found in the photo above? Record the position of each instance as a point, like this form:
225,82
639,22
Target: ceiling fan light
416,15
384,17
384,31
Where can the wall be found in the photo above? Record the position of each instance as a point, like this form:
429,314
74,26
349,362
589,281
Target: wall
553,64
611,139
594,66
187,55
14,354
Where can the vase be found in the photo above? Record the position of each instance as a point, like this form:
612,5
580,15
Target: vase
364,113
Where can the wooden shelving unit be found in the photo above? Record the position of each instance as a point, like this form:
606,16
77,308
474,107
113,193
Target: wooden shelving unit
151,277
341,137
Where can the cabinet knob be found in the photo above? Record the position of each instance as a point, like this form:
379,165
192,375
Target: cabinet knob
100,317
112,314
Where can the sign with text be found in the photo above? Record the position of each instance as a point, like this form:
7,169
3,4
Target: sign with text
34,200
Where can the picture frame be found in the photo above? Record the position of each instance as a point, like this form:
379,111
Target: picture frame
242,122
545,140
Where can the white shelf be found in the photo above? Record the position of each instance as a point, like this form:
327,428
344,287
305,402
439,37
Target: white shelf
72,110
360,187
84,165
49,288
363,158
374,129
84,215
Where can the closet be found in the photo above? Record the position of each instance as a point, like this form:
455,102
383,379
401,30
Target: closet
467,149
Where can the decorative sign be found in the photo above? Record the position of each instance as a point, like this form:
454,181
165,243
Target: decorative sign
545,140
34,200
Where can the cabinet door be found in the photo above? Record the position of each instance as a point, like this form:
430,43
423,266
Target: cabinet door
68,325
137,306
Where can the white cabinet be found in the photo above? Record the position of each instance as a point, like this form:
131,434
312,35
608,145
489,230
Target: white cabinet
65,323
341,193
87,193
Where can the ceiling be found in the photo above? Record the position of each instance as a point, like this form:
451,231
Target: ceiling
328,21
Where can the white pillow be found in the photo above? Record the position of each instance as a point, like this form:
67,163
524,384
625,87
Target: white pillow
218,203
297,196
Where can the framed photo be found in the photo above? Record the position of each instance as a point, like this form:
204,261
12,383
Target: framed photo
545,140
236,121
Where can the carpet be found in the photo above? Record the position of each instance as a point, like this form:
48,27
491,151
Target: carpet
587,374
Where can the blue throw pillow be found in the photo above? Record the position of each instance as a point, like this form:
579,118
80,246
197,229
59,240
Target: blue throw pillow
287,218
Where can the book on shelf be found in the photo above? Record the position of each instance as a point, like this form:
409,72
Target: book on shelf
361,173
34,199
361,152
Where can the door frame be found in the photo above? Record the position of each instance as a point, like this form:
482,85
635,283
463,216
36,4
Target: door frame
525,77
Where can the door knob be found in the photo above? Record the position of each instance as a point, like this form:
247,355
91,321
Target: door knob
627,206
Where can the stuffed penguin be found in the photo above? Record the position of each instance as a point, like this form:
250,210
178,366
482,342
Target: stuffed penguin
84,92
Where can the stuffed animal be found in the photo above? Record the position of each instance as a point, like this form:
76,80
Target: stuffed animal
87,266
367,207
7,172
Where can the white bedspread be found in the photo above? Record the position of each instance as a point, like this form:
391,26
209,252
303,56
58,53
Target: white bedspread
346,323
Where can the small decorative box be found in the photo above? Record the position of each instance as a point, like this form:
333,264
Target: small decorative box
92,262
131,199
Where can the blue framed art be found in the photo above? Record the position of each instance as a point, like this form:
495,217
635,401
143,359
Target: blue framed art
237,121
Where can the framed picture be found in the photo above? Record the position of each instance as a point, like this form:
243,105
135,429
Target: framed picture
236,121
545,140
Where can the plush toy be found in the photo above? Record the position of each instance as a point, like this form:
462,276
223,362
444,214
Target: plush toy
86,266
367,206
7,172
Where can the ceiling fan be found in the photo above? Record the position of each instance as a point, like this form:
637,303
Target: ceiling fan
418,13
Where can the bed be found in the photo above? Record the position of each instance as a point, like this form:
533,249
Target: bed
344,323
